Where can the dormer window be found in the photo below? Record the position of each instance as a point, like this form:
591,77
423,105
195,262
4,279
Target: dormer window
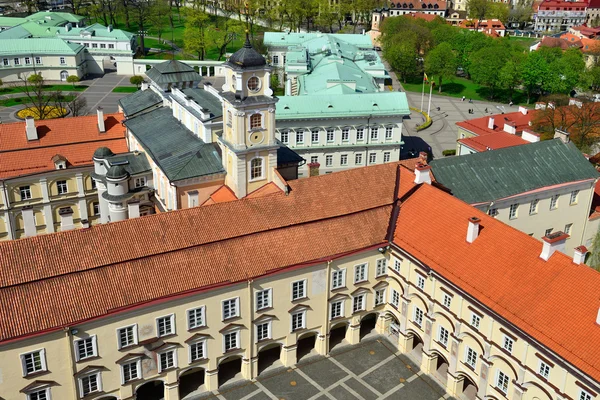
59,161
253,84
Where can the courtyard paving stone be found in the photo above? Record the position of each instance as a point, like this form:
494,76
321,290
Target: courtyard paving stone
342,394
324,372
388,376
290,386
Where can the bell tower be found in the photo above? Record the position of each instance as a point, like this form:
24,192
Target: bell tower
248,144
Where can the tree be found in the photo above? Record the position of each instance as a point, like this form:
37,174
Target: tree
486,63
158,16
136,80
221,38
566,72
594,77
35,96
402,56
141,10
441,63
478,9
77,106
194,36
535,69
594,259
510,74
556,115
72,79
499,11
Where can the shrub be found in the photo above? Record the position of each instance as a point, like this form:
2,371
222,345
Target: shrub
449,152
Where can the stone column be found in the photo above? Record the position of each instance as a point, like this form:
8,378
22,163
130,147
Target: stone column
44,187
483,377
322,343
48,218
247,367
83,209
172,391
353,332
288,355
80,185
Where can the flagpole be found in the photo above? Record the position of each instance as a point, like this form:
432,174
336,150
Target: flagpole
423,92
430,91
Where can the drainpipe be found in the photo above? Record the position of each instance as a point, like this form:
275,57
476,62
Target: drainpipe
71,358
325,332
251,329
589,205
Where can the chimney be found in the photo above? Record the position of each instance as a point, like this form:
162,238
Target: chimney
562,135
553,242
313,169
579,255
423,157
422,173
473,229
68,27
101,126
109,28
66,218
523,110
133,207
30,129
598,317
510,127
491,123
85,223
144,85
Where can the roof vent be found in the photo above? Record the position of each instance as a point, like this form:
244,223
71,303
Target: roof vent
329,106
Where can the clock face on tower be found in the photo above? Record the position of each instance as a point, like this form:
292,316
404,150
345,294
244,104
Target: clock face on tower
256,137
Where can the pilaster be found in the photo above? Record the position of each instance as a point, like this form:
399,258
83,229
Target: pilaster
247,368
353,332
212,380
172,391
288,355
80,185
44,187
29,221
48,218
322,344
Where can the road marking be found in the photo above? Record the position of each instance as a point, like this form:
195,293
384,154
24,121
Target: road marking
379,364
352,374
315,384
266,391
106,95
249,396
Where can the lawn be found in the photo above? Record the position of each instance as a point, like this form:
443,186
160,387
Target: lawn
50,88
17,101
125,89
526,42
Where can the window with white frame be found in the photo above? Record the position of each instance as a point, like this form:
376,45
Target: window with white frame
544,369
196,317
345,134
17,61
475,320
255,121
328,160
253,84
43,394
25,192
548,231
420,282
554,202
102,45
379,297
275,60
27,60
298,320
93,184
512,212
338,279
96,208
360,273
38,60
372,158
573,198
447,300
299,289
397,265
502,382
33,362
263,331
344,159
381,267
256,168
197,350
330,135
314,136
583,395
337,309
300,136
167,360
111,46
263,299
374,133
127,336
533,206
358,159
360,134
314,159
62,61
131,371
229,118
471,357
5,62
61,187
358,303
85,348
443,335
418,316
568,228
493,212
139,182
507,344
389,132
387,156
395,298
89,384
285,137
231,308
165,325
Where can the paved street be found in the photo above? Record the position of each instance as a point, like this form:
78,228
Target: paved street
370,370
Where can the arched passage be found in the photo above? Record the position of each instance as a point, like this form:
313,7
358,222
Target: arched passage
469,389
64,75
191,382
367,325
441,367
305,345
230,370
337,335
415,347
153,390
269,357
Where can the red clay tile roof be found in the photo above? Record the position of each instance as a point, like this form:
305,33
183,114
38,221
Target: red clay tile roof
590,45
563,5
569,37
479,127
548,41
265,190
422,15
75,139
498,140
221,195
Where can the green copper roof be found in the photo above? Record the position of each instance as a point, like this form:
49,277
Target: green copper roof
39,46
178,153
139,101
55,18
492,175
97,31
339,77
17,32
326,106
290,39
11,21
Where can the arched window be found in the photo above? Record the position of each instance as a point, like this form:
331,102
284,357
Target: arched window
255,121
256,168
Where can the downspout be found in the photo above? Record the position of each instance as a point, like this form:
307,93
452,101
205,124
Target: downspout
251,328
587,218
326,318
71,357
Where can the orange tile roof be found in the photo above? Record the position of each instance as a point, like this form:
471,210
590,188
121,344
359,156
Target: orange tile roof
498,140
74,138
590,45
422,15
479,126
569,37
221,195
265,190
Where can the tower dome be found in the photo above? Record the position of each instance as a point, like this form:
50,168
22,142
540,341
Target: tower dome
103,152
246,57
117,172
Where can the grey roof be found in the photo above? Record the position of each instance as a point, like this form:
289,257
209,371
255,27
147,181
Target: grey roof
259,99
103,152
287,156
117,172
178,153
139,101
246,57
134,163
172,71
207,100
492,175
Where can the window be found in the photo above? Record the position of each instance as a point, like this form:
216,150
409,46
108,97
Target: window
360,273
61,187
263,299
328,160
197,350
314,159
300,137
140,182
263,331
554,202
493,212
86,45
96,208
338,279
256,168
418,317
512,213
443,336
5,62
284,58
253,84
568,228
33,362
374,133
397,265
94,45
358,303
130,371
381,267
314,136
285,137
420,282
372,158
358,159
43,395
38,60
573,198
502,382
231,308
395,298
93,184
196,317
379,297
533,207
298,321
27,60
127,336
16,61
275,60
85,348
471,357
255,121
583,395
344,159
507,344
389,132
102,45
548,231
386,156
62,61
25,192
330,135
447,300
166,360
298,289
89,384
165,325
345,134
475,321
111,46
360,134
337,309
544,369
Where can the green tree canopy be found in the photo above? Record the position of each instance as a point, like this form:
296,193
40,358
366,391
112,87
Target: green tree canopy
441,63
485,65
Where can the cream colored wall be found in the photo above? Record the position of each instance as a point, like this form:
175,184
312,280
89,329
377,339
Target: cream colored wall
204,191
50,67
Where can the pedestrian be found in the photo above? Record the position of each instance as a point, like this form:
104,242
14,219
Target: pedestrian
438,109
463,98
510,103
471,101
486,110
